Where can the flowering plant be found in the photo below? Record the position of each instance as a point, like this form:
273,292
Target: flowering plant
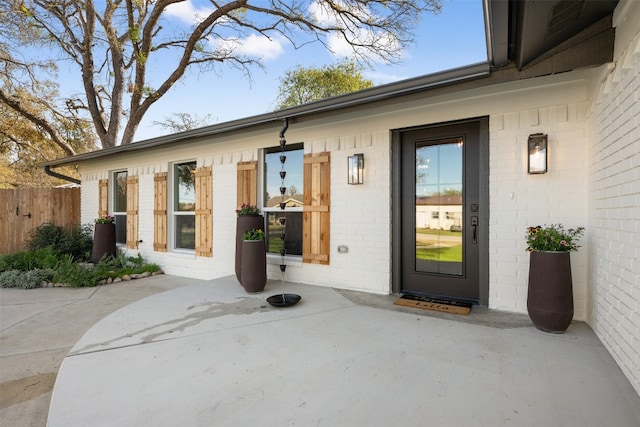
247,209
255,234
105,219
553,238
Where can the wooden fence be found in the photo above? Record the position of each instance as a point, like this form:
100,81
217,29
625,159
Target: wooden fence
24,209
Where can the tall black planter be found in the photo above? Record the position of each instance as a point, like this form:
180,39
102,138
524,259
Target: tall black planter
550,292
254,265
104,242
244,224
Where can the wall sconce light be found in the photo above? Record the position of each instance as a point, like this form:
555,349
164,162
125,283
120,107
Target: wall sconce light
355,169
538,154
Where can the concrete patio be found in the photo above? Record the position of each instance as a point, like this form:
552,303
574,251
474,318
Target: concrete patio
209,354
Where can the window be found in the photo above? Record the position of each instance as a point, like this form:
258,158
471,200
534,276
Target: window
120,205
435,215
184,206
284,223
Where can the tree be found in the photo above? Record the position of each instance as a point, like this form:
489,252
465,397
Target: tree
24,143
180,122
115,43
303,85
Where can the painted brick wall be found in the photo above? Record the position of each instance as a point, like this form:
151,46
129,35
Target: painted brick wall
614,208
519,200
360,218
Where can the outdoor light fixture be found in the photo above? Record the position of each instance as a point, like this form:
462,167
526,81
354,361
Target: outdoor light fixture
537,149
356,169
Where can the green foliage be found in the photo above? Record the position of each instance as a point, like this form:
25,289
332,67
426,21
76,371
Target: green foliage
553,238
25,279
45,258
303,85
75,240
28,269
74,274
255,234
134,34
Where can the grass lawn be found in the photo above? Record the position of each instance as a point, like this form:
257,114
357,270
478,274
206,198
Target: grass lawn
449,254
438,232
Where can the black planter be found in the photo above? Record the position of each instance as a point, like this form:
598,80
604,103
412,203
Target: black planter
104,242
254,265
550,292
244,224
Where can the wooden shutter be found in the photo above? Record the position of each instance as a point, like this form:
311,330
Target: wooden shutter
132,212
103,197
160,212
247,183
315,217
204,202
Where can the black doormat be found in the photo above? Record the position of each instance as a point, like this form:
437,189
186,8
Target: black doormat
436,304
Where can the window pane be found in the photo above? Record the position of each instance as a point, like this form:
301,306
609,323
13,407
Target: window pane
292,232
185,232
120,191
288,221
184,186
121,228
120,205
293,180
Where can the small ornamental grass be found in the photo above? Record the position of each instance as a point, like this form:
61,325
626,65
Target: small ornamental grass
553,238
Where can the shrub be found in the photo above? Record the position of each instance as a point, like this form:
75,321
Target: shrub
74,274
121,265
46,258
25,279
75,240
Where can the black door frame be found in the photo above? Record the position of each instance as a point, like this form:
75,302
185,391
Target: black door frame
396,205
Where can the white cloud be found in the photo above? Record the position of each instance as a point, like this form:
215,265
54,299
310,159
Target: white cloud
255,45
188,12
341,48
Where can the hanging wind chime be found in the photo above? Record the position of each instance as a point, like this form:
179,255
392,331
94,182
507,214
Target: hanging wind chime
283,299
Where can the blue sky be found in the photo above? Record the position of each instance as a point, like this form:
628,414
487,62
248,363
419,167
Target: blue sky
451,39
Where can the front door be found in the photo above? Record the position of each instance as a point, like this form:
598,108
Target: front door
440,214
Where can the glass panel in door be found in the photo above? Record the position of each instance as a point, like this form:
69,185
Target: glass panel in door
438,207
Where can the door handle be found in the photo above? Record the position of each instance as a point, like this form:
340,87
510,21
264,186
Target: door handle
474,224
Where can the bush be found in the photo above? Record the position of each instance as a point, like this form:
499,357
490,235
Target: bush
74,274
75,240
27,269
121,265
25,279
46,258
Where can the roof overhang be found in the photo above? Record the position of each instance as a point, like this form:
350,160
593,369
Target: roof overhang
355,99
524,39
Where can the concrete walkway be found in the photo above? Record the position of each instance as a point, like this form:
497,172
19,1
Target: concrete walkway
210,355
205,353
38,327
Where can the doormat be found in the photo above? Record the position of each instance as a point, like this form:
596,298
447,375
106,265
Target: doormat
435,304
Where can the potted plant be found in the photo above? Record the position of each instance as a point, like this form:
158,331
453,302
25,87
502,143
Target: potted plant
249,218
254,260
104,238
550,288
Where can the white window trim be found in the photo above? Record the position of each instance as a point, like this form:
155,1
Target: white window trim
273,258
111,199
171,213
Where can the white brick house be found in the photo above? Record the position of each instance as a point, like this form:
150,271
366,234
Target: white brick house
589,110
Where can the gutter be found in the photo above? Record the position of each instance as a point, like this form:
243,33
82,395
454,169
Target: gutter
48,171
375,94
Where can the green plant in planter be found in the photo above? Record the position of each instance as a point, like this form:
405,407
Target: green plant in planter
247,209
105,219
254,234
553,238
